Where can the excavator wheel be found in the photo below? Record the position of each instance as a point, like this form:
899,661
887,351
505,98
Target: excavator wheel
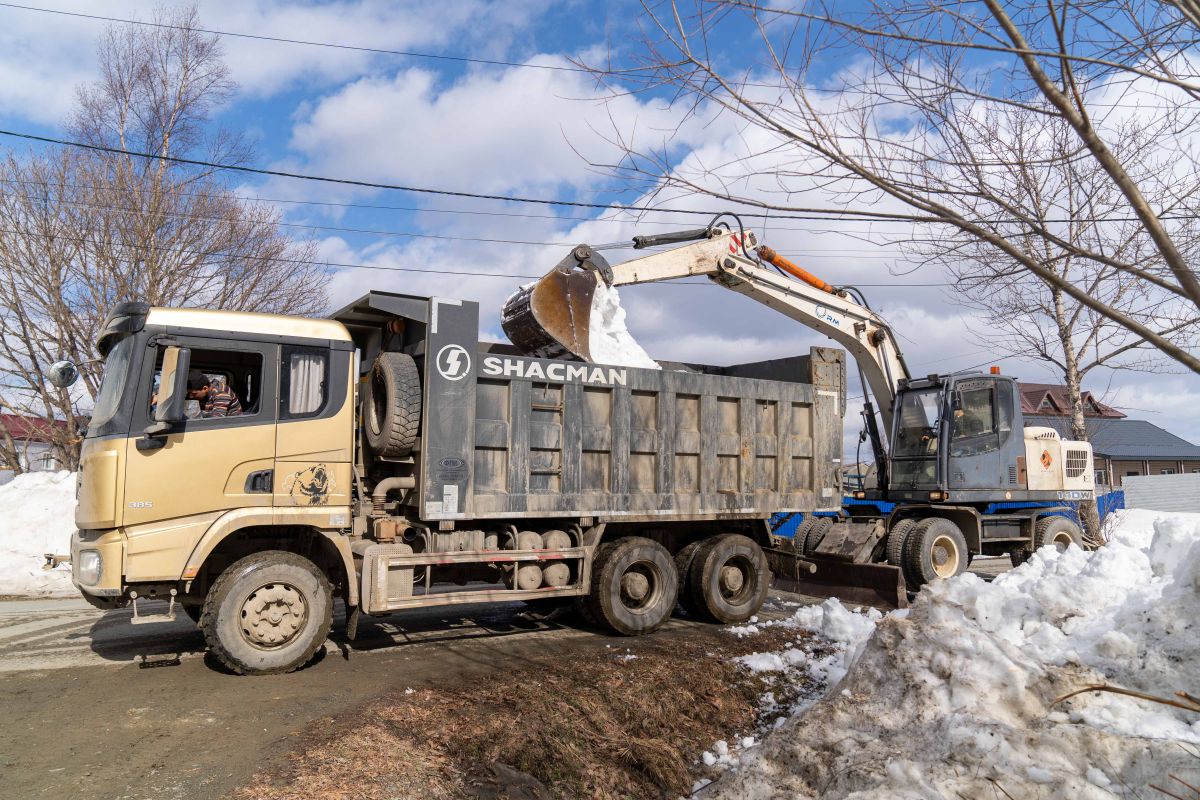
1058,531
936,549
820,527
896,538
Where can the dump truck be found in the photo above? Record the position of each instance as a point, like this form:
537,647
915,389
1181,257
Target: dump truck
958,470
388,458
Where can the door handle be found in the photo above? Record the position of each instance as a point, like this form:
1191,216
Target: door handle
260,482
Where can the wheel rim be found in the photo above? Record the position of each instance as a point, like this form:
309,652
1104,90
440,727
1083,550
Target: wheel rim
735,579
945,557
641,586
273,615
1062,540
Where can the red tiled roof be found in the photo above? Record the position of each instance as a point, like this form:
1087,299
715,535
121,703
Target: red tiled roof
31,429
1051,399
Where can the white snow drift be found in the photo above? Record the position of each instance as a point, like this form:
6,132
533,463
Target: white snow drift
37,516
955,697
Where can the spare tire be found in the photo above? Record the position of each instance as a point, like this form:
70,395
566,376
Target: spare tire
392,416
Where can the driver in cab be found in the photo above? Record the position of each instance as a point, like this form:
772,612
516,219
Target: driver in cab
215,399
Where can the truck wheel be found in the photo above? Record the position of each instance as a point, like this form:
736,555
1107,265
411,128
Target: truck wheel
936,549
683,567
268,613
393,406
1058,531
634,586
729,578
820,527
896,538
800,537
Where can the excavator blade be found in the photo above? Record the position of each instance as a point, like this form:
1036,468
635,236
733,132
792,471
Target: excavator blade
878,585
840,566
550,318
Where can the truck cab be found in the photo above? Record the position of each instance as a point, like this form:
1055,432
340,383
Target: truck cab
160,494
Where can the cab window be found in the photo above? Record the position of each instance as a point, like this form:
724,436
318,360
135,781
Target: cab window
304,385
975,419
222,384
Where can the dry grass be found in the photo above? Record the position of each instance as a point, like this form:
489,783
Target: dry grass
592,727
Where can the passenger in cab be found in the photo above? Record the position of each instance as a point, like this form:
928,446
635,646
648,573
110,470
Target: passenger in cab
215,399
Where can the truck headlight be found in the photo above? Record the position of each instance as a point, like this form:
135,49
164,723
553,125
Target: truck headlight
87,570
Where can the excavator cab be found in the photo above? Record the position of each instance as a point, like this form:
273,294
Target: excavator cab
953,434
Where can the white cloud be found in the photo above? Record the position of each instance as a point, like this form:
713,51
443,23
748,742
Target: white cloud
43,57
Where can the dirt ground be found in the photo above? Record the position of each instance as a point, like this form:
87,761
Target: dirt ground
629,721
84,719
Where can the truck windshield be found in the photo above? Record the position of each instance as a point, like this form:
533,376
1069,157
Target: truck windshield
917,423
112,387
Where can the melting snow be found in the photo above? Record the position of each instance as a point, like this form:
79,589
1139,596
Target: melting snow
953,698
39,518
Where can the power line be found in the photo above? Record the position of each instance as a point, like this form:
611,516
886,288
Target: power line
405,234
873,215
376,267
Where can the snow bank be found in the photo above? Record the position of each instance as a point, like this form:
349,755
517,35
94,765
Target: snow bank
38,518
608,338
955,697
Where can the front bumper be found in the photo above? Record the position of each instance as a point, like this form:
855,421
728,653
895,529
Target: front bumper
110,545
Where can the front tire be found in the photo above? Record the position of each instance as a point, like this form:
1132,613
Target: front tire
268,613
936,549
634,586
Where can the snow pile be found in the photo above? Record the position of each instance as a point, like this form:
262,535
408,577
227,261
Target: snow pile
39,518
608,339
955,697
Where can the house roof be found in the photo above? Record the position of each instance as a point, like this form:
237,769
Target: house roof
30,429
1124,438
1052,399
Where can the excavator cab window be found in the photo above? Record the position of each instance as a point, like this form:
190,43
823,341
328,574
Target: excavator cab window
976,421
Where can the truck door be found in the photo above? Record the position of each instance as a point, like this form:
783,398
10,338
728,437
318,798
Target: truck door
210,464
315,432
981,420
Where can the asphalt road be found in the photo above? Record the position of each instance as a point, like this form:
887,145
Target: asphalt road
95,707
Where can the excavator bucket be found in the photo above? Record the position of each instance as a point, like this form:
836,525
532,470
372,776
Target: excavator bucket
550,318
839,566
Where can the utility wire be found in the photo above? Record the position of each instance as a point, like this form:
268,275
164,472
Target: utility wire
376,267
445,192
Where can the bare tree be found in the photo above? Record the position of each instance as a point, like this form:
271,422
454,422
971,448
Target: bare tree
1031,162
83,230
886,124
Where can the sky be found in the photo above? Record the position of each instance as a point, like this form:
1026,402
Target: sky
534,127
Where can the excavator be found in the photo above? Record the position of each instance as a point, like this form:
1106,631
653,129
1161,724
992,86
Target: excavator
959,473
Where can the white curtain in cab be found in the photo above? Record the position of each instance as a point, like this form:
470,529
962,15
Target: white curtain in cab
306,382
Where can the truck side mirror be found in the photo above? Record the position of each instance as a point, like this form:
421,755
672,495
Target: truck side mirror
172,390
62,374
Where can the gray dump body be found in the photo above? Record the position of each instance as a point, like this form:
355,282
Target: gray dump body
507,436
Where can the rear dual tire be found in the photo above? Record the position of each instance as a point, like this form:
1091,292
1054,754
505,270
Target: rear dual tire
927,550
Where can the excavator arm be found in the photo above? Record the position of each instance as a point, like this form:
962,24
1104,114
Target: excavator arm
552,316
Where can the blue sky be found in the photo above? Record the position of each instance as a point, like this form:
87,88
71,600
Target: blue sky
508,130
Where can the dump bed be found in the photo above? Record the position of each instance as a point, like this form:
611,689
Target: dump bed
507,436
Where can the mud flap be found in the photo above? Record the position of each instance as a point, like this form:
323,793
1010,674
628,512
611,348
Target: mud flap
840,566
